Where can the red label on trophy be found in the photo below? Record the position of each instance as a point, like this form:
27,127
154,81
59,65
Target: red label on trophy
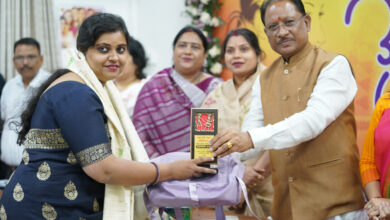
204,122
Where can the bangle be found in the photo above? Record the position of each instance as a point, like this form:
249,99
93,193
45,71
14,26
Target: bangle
158,173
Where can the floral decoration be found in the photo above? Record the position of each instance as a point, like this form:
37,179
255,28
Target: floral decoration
204,16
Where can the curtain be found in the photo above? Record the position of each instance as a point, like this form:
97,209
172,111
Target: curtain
28,18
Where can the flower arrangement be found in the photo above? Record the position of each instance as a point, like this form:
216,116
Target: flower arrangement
204,16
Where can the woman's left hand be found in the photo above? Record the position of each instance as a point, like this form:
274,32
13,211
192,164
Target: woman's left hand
229,141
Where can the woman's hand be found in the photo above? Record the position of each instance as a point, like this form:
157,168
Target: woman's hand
378,208
229,141
384,210
253,176
112,170
184,169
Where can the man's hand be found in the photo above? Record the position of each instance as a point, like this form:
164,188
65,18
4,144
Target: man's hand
253,177
229,141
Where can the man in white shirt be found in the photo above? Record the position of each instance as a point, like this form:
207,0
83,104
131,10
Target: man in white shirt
302,111
17,91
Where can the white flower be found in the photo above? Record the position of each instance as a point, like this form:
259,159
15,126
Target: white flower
193,10
215,51
205,1
205,33
214,22
216,68
205,17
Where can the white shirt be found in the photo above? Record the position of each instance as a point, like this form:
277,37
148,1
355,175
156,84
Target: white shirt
14,100
333,93
130,94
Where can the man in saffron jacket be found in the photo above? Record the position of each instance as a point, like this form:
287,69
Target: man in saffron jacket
302,111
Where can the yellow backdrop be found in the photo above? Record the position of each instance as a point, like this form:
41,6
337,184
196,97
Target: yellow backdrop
357,29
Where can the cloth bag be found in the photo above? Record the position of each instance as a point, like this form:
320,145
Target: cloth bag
218,190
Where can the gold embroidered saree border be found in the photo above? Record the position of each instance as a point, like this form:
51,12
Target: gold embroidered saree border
45,139
94,154
52,139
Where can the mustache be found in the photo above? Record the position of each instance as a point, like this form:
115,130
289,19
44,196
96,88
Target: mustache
24,68
281,40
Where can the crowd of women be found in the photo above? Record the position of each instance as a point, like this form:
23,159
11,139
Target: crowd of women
86,143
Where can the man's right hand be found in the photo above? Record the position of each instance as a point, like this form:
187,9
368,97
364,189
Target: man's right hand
229,141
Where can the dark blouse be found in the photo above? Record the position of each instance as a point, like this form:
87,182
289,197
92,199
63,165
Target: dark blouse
67,133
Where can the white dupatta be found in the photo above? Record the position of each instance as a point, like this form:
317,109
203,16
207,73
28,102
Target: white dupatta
118,200
195,94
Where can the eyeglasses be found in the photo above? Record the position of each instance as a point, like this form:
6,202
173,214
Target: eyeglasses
29,58
288,24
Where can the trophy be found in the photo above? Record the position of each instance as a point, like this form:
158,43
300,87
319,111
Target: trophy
204,126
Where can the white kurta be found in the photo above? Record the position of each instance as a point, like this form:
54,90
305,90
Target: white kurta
14,100
333,93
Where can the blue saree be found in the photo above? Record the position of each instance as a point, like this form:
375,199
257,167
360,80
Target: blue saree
67,133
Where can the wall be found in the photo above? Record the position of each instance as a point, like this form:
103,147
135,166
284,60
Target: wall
154,23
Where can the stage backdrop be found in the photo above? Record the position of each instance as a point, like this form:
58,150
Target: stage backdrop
357,29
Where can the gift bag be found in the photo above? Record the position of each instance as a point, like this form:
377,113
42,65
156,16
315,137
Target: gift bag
221,189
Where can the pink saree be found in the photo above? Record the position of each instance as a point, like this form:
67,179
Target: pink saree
382,152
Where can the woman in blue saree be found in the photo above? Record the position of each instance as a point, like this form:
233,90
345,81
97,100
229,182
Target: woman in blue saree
81,149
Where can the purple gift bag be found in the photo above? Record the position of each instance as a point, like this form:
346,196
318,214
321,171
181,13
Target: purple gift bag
222,189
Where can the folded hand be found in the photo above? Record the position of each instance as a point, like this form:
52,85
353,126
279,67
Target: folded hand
378,208
253,176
